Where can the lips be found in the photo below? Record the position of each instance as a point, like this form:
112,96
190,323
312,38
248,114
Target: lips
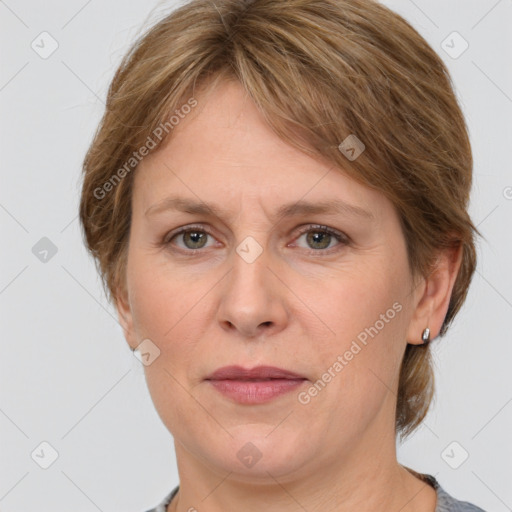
259,373
254,386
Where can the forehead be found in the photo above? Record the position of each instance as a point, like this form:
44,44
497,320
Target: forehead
225,149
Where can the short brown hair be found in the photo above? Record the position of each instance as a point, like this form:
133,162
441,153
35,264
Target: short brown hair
319,71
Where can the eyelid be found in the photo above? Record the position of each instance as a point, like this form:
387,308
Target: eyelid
166,242
341,237
189,227
322,227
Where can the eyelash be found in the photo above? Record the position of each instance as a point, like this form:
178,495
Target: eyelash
340,237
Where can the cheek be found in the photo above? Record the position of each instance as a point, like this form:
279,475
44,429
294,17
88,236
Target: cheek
358,305
363,339
168,311
357,365
163,299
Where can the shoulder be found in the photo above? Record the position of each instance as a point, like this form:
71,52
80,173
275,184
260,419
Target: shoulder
162,506
448,503
445,501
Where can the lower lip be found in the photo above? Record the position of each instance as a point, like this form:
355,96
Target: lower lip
255,392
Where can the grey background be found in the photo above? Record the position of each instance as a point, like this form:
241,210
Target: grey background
67,375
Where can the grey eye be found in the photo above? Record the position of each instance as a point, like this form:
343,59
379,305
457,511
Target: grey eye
194,239
318,239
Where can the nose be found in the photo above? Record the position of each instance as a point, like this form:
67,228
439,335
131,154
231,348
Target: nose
253,301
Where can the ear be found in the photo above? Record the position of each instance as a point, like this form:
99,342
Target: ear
124,313
434,293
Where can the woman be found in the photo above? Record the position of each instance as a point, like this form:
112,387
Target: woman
277,200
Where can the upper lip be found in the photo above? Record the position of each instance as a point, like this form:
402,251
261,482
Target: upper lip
258,372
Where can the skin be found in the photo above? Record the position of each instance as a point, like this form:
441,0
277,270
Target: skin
298,306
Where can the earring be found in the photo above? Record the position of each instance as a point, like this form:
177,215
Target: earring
426,336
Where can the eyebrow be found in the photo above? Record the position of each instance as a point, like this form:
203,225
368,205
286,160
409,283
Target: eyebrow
287,210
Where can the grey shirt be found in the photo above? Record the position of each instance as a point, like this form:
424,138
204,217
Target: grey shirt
445,502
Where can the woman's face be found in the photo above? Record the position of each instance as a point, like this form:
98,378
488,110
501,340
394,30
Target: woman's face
325,294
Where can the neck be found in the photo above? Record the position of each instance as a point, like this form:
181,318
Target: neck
372,486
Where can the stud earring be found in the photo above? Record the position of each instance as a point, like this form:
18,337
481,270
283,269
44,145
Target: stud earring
426,336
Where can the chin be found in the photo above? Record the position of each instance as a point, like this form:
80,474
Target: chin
256,450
